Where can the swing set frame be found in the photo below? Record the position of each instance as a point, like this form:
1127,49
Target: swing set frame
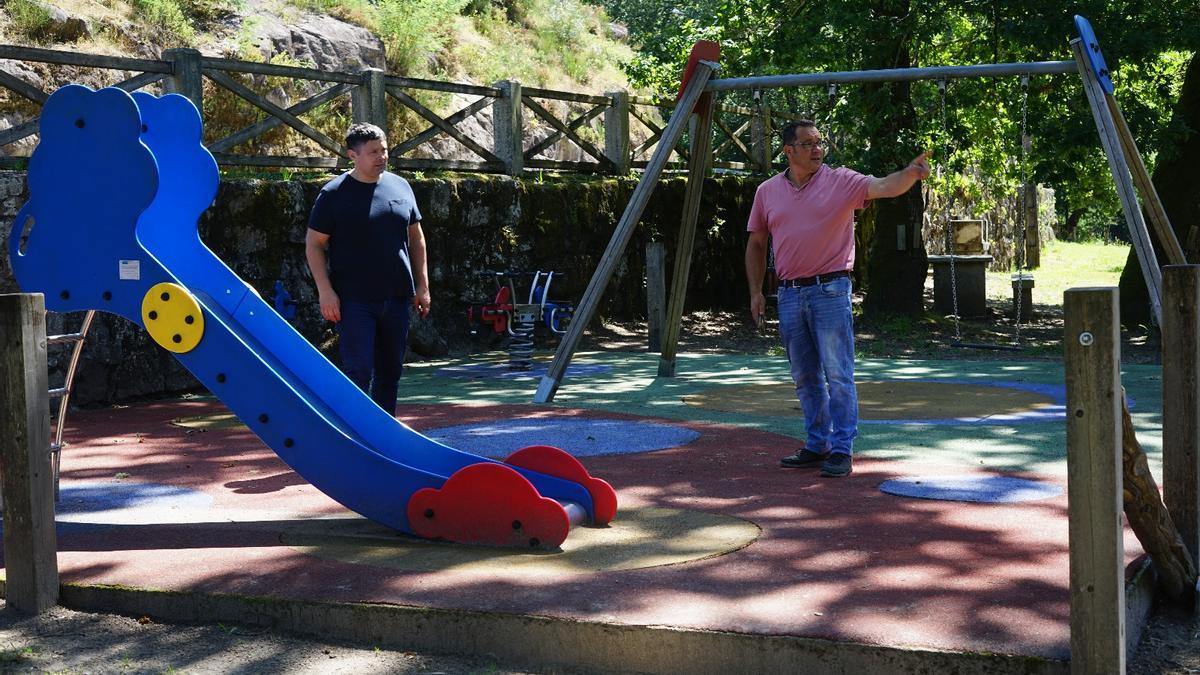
695,110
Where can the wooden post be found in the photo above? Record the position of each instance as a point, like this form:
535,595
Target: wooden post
761,135
616,132
30,546
656,292
506,127
1097,554
1181,400
699,162
1141,178
368,101
1029,202
188,77
624,230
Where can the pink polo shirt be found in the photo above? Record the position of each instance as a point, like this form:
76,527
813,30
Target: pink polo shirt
812,228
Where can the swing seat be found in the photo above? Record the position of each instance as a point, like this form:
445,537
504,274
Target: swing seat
968,283
494,313
557,316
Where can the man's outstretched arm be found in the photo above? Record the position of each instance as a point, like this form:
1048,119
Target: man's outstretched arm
899,182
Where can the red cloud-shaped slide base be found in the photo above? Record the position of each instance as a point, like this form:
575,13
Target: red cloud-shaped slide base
559,463
491,504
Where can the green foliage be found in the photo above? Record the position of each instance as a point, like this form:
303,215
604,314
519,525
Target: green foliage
167,19
29,19
879,124
205,13
416,30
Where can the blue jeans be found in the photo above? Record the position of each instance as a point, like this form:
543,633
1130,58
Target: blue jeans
817,327
372,337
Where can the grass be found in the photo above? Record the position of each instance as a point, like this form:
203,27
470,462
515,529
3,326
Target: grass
1066,265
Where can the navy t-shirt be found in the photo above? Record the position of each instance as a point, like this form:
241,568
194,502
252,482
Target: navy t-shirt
368,228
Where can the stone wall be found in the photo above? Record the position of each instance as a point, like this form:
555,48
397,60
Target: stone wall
472,224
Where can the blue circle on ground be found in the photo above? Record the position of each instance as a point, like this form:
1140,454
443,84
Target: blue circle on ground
123,501
482,371
992,489
581,437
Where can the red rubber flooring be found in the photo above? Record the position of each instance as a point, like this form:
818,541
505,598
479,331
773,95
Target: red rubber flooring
835,559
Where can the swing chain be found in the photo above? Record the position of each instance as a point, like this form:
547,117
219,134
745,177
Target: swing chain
1022,252
832,93
941,85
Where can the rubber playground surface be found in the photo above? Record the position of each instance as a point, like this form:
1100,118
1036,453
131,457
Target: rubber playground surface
951,534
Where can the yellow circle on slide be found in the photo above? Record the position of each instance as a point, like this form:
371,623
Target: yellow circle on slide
881,400
172,317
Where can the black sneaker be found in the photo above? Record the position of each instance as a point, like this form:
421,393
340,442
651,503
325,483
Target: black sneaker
802,459
836,466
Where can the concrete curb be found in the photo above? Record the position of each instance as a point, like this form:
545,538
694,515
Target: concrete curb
540,642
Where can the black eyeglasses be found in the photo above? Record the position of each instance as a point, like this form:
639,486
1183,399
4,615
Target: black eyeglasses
807,146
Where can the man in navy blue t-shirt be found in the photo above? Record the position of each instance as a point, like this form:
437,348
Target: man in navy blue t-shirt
366,251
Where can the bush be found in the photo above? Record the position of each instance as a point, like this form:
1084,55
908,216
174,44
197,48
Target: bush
167,16
416,30
29,19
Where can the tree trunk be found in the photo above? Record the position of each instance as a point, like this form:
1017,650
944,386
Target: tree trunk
1150,520
1177,183
895,261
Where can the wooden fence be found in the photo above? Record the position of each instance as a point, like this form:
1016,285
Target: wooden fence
612,133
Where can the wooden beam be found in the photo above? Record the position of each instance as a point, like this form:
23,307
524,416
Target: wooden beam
656,293
447,87
1097,553
187,75
368,101
22,130
138,81
441,124
732,137
571,96
23,88
241,136
294,72
432,130
616,131
87,60
1141,178
620,239
1147,259
565,130
507,127
573,125
30,546
701,136
292,121
446,165
229,159
1181,401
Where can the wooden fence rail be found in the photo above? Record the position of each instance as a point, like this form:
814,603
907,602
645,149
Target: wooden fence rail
611,133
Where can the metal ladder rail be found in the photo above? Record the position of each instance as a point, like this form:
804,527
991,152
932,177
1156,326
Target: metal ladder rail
63,393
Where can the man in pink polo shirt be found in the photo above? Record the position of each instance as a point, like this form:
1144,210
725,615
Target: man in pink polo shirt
808,212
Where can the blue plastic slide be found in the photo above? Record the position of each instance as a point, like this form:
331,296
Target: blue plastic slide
116,186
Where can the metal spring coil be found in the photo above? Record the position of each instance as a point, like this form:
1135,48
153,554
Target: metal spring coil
520,344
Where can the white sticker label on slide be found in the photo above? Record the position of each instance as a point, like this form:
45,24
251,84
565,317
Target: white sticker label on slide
129,270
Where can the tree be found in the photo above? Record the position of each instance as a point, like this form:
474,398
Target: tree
882,123
1178,184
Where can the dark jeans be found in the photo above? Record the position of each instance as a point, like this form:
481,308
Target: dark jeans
372,340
